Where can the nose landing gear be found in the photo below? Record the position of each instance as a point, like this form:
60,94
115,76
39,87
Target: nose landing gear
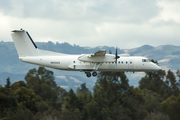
151,74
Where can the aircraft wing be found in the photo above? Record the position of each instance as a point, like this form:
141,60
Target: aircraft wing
99,53
99,56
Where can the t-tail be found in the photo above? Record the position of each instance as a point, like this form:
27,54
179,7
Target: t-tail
24,44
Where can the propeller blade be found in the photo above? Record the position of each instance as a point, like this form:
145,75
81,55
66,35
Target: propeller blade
116,52
110,51
116,55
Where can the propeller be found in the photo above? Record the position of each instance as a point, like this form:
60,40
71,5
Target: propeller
116,55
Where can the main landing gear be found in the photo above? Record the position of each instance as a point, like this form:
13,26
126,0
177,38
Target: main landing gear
88,74
151,74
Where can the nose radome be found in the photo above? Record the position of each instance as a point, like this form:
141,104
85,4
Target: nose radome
160,69
156,67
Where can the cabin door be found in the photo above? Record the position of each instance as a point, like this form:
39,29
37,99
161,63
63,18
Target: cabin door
131,64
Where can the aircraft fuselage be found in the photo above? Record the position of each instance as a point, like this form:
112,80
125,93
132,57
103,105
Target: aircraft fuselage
71,63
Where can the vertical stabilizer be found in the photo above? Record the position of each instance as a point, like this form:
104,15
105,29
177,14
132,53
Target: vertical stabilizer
24,44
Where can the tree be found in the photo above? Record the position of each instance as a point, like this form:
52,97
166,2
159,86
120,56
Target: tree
73,106
134,101
61,95
82,88
171,106
42,82
153,100
19,114
72,101
173,85
178,75
8,83
18,84
84,98
165,85
108,92
7,103
157,116
113,84
118,79
155,84
69,115
92,110
27,98
120,113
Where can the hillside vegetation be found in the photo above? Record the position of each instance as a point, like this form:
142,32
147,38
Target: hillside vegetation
40,98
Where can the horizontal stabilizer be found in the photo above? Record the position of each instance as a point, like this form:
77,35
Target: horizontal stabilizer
18,30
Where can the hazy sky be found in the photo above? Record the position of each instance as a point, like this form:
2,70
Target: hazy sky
121,23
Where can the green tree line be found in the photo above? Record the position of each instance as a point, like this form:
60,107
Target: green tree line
39,98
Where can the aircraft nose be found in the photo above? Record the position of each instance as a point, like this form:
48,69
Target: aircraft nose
156,67
159,68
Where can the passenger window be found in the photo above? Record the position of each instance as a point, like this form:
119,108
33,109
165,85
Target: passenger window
119,62
130,62
73,61
122,62
126,62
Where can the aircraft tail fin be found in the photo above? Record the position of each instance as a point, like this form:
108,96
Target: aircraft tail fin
24,44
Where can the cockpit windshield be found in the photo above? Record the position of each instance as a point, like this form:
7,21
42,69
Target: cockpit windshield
146,60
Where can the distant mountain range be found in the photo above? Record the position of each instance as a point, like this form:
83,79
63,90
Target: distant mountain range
168,57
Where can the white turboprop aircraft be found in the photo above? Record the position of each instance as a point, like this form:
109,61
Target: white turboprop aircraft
99,61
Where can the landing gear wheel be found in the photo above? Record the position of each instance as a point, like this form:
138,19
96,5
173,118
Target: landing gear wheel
94,74
88,74
151,75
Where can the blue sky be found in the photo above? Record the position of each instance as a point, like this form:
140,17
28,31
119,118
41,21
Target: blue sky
121,23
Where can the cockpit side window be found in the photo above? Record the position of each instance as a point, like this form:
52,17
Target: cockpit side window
143,60
146,60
